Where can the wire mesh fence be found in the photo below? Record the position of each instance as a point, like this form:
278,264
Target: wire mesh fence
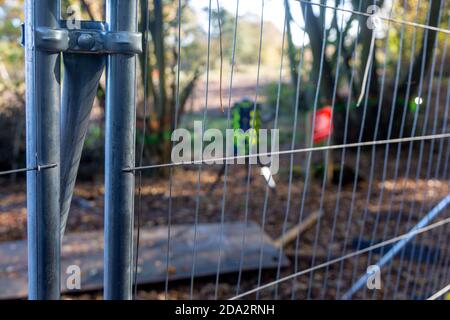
359,216
366,202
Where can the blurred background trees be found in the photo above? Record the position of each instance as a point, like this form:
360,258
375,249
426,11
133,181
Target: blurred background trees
12,87
158,74
355,56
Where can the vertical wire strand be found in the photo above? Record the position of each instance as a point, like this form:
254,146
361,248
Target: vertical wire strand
329,141
302,202
413,131
249,167
446,277
309,154
444,175
372,160
373,151
219,18
428,203
357,170
308,161
145,19
316,100
294,133
431,149
402,126
418,174
344,151
431,152
324,179
355,181
200,166
439,259
389,133
400,145
230,94
275,127
445,274
177,107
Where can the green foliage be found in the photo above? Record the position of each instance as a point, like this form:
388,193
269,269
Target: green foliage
11,53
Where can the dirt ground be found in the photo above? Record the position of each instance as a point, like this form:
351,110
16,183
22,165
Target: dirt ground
395,203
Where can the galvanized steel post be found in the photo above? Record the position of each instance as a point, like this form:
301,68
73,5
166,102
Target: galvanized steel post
121,15
43,149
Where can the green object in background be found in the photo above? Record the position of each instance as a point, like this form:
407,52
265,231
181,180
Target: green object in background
413,106
245,117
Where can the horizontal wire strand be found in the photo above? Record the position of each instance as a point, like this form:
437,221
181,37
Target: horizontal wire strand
38,168
399,21
301,150
305,150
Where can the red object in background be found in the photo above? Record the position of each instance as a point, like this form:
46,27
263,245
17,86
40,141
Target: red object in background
323,126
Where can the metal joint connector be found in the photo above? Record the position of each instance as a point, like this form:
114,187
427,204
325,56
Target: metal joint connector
90,39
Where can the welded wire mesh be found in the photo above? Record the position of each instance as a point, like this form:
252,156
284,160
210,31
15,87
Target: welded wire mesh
389,158
388,155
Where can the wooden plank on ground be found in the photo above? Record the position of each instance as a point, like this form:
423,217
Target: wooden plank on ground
86,251
299,229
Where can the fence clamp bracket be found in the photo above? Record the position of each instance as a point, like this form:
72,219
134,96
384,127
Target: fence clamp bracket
91,38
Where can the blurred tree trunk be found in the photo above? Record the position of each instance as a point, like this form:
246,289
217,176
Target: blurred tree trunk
315,32
419,71
160,74
165,115
423,58
293,63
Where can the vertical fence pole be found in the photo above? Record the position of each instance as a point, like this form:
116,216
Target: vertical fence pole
42,123
121,15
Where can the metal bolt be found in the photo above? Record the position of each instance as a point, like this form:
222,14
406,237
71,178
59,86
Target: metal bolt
86,41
